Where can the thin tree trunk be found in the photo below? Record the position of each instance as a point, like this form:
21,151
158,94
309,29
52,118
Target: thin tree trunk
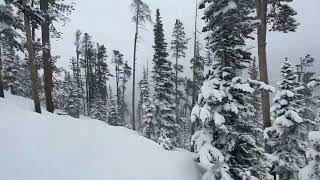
46,58
133,120
33,69
194,71
262,54
1,80
176,83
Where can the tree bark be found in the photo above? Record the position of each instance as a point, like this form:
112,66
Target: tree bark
133,120
262,54
32,63
46,57
176,84
1,80
193,126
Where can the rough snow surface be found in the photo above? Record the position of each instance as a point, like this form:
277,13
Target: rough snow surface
52,147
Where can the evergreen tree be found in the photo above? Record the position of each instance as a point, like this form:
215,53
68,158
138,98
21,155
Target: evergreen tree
88,64
166,127
224,142
72,96
24,79
99,110
178,47
281,17
114,117
102,72
147,108
8,34
142,14
255,100
312,170
286,136
118,62
124,78
305,76
11,69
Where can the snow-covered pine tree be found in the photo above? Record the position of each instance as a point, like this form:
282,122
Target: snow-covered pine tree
24,79
124,78
166,127
281,16
224,144
114,117
147,108
255,100
286,137
118,63
8,34
11,70
178,48
312,170
305,76
98,108
72,96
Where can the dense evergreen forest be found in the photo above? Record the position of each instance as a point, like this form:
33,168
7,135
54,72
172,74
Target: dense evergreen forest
225,112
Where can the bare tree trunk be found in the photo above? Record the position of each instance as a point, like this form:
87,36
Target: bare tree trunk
46,58
1,80
32,63
133,119
263,67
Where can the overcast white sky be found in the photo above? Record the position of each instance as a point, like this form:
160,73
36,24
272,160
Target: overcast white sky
109,22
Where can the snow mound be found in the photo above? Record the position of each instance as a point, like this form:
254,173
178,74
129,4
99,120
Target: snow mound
53,147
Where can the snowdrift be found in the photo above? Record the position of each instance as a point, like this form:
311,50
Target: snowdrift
53,147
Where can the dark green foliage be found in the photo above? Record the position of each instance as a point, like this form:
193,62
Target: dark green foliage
166,127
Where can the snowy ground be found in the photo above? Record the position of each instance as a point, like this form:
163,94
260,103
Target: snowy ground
52,147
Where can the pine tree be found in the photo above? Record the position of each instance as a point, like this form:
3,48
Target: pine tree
312,170
88,63
24,79
166,127
124,78
142,14
8,34
224,143
281,17
72,96
114,117
255,100
11,68
102,72
118,62
147,108
178,47
286,136
99,110
305,76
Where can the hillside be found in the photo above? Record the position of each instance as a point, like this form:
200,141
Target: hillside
53,147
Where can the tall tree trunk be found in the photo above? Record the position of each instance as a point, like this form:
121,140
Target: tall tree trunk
32,63
133,120
176,85
262,54
46,57
1,80
194,70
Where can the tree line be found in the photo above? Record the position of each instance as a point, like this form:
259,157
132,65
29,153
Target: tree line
222,113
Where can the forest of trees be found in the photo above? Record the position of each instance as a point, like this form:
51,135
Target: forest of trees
221,112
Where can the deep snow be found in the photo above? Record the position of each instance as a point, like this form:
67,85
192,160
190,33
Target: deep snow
53,147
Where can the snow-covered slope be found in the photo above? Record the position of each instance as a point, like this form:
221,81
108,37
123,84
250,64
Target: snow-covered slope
53,147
